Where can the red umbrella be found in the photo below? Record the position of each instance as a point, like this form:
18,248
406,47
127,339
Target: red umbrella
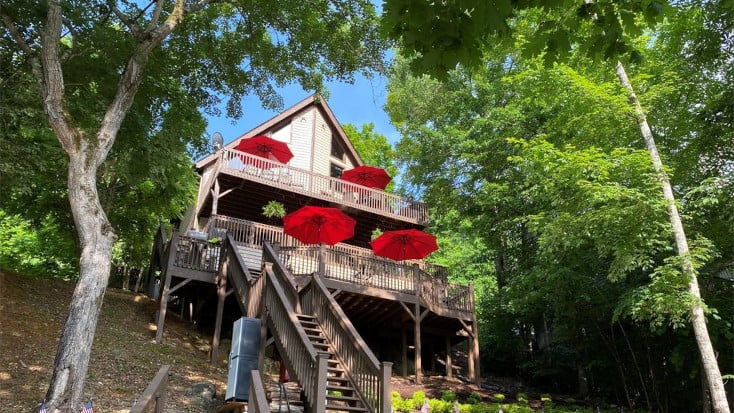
368,176
404,244
314,225
266,147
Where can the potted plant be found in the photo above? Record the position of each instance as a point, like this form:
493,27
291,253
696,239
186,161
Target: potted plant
273,210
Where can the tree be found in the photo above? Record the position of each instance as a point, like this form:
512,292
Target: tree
373,148
457,34
202,49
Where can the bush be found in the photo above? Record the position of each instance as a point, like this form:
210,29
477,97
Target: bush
417,399
498,397
448,396
474,398
522,398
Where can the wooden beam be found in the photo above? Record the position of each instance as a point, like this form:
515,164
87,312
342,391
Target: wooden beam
417,340
222,294
449,366
404,342
164,294
179,285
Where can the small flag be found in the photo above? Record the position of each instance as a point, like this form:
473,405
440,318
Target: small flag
426,408
456,407
88,407
43,408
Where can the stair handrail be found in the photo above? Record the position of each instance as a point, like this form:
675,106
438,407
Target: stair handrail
371,379
307,365
271,255
257,402
235,269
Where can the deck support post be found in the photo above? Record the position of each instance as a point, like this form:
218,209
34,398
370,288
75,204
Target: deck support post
417,339
215,197
449,366
404,350
163,303
222,295
474,351
322,259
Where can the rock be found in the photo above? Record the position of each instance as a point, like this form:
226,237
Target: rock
201,396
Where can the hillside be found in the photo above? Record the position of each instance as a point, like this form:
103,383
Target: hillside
124,357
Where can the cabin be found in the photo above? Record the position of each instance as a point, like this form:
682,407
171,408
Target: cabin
342,319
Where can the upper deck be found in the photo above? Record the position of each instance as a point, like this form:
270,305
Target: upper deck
308,185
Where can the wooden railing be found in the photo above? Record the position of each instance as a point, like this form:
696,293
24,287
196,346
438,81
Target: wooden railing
350,264
371,378
257,402
196,254
302,181
380,273
307,365
153,399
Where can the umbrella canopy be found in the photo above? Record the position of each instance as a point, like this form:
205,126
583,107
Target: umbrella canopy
266,147
404,244
370,176
315,225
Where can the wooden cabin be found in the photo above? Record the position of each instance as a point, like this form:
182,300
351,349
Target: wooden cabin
340,317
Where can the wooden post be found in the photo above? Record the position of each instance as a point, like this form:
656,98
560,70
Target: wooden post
319,399
222,294
475,341
449,366
404,363
417,341
386,375
322,259
215,197
161,316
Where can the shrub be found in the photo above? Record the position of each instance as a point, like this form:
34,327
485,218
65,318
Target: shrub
474,398
448,396
417,399
498,397
522,398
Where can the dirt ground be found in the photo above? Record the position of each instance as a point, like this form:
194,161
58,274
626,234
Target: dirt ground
125,356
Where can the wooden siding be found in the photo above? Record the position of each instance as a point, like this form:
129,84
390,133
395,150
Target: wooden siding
322,145
301,143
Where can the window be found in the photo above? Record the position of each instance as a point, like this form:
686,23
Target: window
337,151
336,171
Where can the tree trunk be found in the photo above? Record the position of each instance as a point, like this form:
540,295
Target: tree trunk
698,319
65,392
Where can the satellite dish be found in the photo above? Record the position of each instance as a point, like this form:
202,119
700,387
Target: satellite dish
217,141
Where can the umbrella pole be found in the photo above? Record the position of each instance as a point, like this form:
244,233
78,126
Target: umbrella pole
322,259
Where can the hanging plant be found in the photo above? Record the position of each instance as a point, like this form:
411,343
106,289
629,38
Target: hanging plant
274,209
375,233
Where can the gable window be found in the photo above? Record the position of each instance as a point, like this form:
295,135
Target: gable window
336,171
337,150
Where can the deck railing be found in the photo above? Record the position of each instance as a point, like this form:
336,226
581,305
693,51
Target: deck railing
370,377
350,264
257,401
302,181
196,254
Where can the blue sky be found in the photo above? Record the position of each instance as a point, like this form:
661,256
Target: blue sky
358,104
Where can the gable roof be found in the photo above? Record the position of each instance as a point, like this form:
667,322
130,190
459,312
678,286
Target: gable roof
315,100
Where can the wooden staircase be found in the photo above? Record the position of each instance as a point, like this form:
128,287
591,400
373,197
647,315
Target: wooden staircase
341,396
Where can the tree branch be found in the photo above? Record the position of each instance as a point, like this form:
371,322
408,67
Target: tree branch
74,50
156,16
53,80
130,23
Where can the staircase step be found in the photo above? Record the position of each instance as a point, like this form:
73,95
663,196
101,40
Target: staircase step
342,398
340,408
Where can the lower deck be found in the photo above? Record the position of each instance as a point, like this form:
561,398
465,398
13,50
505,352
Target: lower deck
399,309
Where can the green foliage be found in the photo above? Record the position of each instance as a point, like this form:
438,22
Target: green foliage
474,398
373,148
498,397
448,395
442,36
375,233
273,209
418,398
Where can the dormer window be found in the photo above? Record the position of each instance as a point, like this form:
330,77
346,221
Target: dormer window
337,150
